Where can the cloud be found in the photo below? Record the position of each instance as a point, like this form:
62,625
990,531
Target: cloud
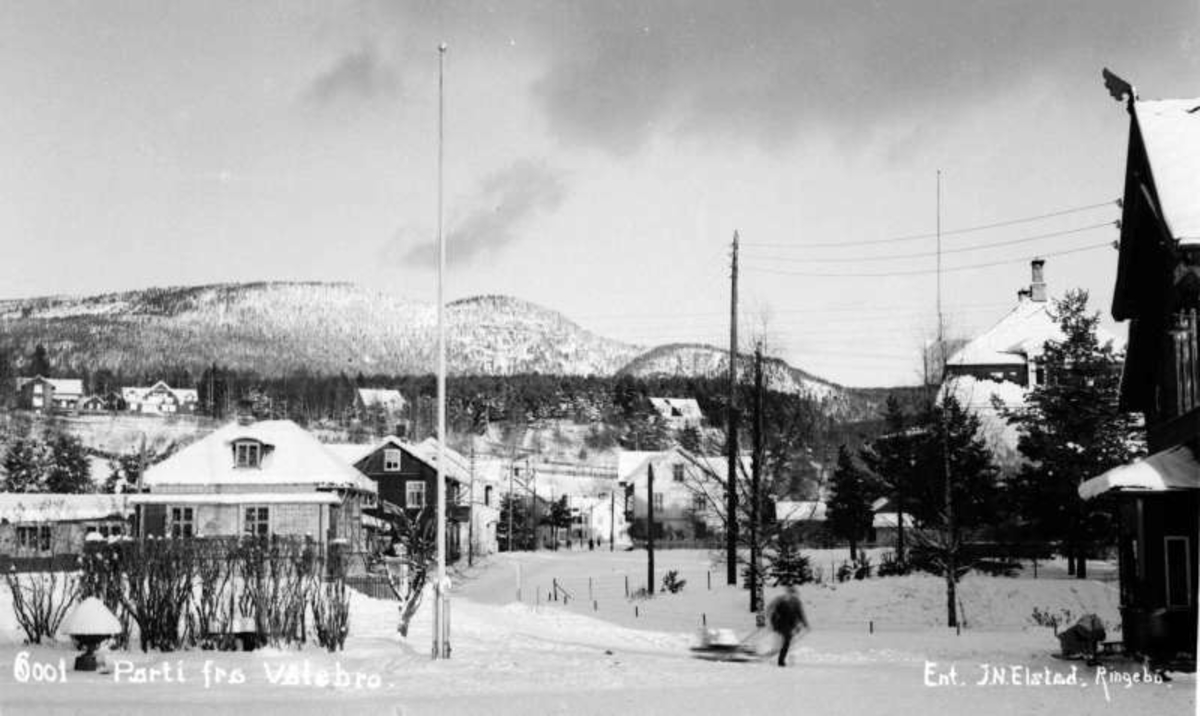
358,75
619,72
499,208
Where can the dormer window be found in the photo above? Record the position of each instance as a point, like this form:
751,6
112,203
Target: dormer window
391,460
247,453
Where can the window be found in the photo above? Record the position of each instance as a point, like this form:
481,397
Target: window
414,494
257,522
658,501
182,522
677,472
699,503
1178,571
487,495
247,454
34,537
391,460
107,529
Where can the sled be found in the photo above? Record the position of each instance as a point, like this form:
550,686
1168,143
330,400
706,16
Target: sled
724,645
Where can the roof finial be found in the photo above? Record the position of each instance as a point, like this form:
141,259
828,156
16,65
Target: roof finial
1118,88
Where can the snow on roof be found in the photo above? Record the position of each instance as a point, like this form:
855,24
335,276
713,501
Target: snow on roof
293,457
54,507
384,397
677,408
800,511
1018,335
1171,135
70,386
629,461
233,498
1172,469
351,453
457,467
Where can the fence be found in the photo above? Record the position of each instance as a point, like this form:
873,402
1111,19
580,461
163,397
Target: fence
375,586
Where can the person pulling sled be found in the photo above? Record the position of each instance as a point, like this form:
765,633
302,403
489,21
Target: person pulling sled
786,616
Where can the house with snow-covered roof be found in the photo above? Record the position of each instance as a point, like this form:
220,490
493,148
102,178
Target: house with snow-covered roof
258,479
679,413
1005,362
160,399
47,394
1157,290
688,494
40,527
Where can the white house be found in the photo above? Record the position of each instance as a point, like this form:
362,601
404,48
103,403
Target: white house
689,492
45,394
678,412
255,478
160,399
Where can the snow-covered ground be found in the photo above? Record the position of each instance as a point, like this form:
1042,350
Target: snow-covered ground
598,657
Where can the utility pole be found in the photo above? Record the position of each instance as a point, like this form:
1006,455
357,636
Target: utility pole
650,527
512,467
756,587
951,544
471,509
731,429
612,518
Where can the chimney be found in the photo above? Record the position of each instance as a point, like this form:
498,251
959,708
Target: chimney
1037,289
244,412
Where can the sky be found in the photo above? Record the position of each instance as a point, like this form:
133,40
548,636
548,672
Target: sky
598,156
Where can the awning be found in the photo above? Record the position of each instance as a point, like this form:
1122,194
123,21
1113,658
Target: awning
1172,469
234,498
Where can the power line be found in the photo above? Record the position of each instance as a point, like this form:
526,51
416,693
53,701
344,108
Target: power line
926,254
923,272
914,237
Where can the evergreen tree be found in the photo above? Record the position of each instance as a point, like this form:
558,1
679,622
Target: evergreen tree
39,362
522,538
848,510
68,470
891,457
25,464
789,567
559,517
1071,429
689,439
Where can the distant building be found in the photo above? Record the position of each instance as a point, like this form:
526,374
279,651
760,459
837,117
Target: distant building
688,497
1005,362
678,412
385,399
47,528
160,399
48,394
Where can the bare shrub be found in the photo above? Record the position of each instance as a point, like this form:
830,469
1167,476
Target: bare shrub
41,600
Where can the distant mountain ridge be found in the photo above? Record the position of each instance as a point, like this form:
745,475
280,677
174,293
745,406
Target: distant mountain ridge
276,329
280,328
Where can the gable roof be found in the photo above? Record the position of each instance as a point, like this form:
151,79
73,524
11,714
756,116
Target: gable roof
1170,130
386,398
296,458
1013,338
65,386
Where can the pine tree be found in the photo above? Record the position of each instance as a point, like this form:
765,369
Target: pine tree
39,362
68,470
789,567
1071,429
25,464
848,510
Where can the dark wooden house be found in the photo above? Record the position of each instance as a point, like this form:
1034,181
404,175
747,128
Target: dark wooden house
1158,293
406,477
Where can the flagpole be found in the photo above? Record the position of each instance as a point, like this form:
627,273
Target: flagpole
441,646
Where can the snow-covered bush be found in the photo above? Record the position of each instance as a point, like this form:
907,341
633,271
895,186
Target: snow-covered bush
789,567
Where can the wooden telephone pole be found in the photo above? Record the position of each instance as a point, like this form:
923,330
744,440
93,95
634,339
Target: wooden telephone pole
731,430
756,586
650,527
